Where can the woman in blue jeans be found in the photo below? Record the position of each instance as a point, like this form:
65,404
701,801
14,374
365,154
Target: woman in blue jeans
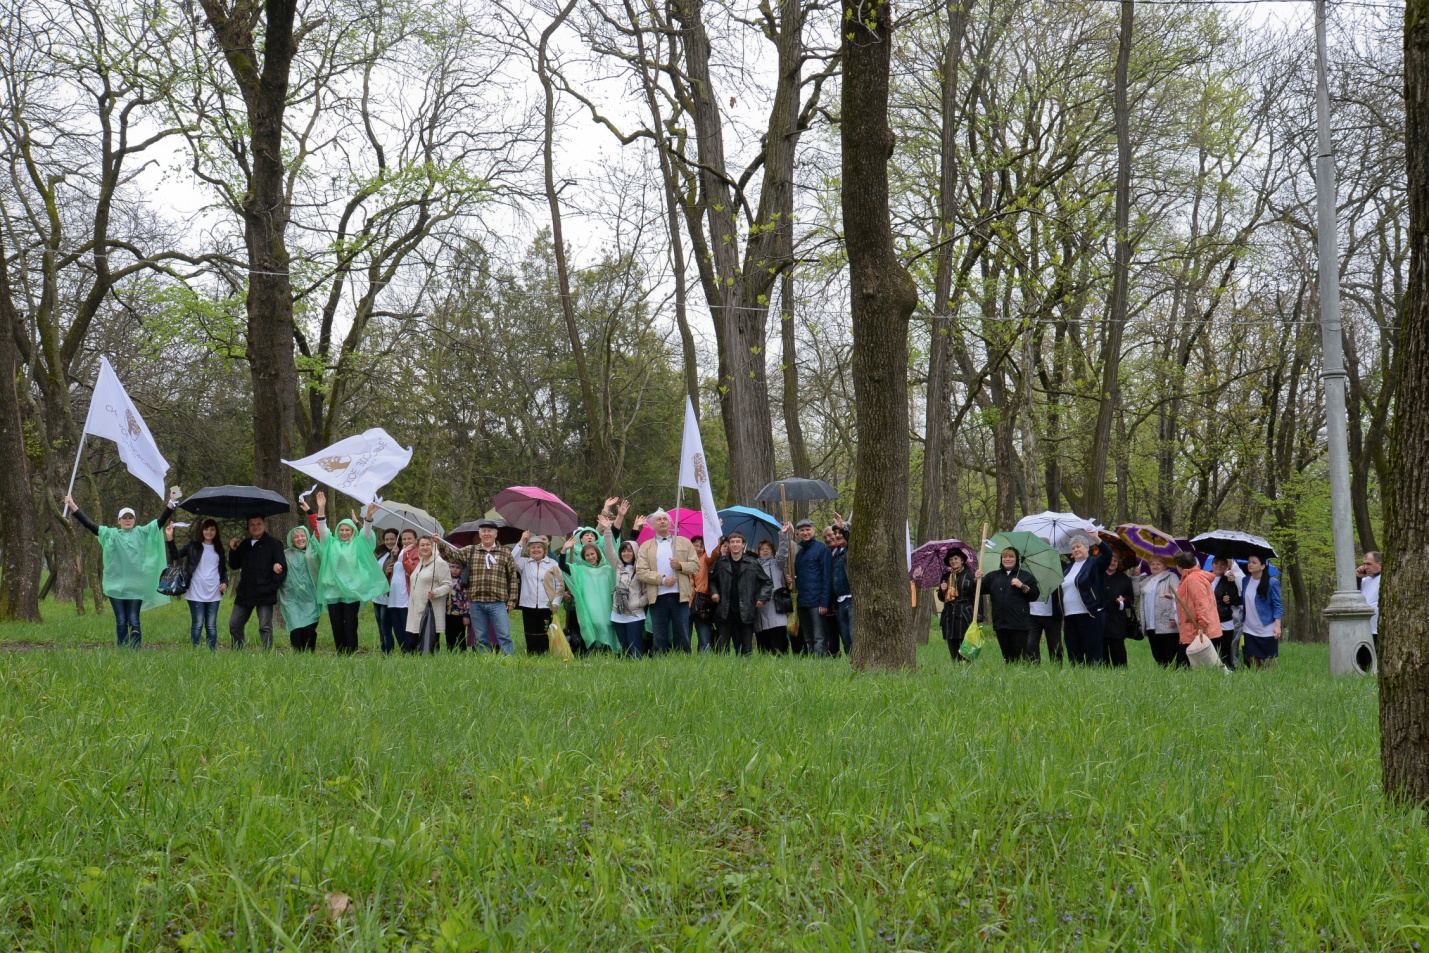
134,559
203,560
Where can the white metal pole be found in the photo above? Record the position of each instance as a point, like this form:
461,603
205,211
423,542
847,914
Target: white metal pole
74,472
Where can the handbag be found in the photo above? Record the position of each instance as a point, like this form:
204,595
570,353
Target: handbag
174,581
427,633
783,600
702,606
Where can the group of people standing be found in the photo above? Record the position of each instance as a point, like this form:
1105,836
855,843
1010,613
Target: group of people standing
1101,604
615,594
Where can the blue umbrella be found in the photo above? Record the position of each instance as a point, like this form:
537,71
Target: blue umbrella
756,525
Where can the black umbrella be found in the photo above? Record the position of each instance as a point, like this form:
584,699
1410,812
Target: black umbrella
797,489
236,502
466,533
1233,544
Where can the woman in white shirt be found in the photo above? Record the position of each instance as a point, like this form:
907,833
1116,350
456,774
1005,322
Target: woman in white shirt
394,566
208,579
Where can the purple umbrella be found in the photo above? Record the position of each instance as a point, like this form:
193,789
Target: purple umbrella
930,561
1148,541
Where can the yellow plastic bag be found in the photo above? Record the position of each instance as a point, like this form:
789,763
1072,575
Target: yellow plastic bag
560,648
974,639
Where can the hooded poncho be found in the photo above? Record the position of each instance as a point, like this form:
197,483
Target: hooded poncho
348,572
134,559
593,588
298,596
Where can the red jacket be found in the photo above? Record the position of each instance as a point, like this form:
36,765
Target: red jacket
1197,594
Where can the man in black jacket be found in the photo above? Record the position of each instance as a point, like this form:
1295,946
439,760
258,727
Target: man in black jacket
261,563
739,587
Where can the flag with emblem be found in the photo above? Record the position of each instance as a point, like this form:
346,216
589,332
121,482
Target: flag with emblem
695,475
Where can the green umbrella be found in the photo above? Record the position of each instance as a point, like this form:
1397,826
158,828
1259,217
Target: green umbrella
1037,556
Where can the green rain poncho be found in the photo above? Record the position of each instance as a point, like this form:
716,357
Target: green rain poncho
134,559
593,589
298,595
348,572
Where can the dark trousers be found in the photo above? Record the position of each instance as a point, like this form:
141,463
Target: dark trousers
736,635
1115,651
343,618
395,618
238,621
1083,635
632,637
1013,643
203,620
704,633
1052,628
954,647
304,638
1225,647
814,629
126,622
670,623
843,611
387,637
1163,646
773,640
534,623
456,633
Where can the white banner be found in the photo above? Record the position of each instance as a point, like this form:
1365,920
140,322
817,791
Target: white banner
358,466
112,415
695,475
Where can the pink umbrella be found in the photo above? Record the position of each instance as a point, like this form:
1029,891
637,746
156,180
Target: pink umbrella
534,509
691,524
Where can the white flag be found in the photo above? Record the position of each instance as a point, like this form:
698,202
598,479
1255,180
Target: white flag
908,542
112,416
695,475
358,466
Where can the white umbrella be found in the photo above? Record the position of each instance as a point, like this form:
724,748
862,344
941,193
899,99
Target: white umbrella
400,516
1056,528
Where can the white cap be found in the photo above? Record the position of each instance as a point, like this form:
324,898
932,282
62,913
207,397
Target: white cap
127,511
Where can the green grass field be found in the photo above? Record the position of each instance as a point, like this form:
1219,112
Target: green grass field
206,801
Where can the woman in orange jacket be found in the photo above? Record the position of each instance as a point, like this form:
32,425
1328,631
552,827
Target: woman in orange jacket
1195,604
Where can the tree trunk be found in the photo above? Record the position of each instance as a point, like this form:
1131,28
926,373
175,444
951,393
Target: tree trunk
266,213
1092,504
1404,629
883,297
798,449
19,536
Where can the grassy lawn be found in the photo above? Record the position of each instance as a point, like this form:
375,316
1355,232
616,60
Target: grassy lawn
189,800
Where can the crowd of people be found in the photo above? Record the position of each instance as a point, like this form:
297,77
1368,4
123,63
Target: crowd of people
607,591
611,593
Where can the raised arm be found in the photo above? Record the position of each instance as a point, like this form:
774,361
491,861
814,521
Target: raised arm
79,516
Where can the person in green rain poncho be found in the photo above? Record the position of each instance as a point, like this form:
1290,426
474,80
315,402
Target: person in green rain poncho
134,559
591,581
298,596
348,573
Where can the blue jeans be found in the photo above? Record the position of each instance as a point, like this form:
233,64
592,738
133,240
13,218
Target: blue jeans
203,617
705,633
126,621
493,614
814,630
845,610
632,637
394,628
670,623
386,635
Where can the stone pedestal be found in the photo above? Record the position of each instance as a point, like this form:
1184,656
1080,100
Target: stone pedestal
1351,648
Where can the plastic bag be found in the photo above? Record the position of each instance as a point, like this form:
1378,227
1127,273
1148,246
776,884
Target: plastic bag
974,639
559,647
1201,653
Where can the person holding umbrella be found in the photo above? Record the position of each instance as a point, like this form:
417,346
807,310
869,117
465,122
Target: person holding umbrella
772,631
261,562
813,578
1082,592
1012,591
349,574
207,573
133,562
493,582
666,564
956,590
1260,592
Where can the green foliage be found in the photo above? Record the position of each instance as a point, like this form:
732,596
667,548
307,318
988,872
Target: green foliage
198,801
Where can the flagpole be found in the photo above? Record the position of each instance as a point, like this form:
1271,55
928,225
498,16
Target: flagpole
75,472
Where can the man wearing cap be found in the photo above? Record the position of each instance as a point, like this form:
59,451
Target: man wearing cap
666,564
260,561
534,565
494,583
813,578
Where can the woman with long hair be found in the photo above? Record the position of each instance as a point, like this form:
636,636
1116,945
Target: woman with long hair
1120,619
1260,591
204,563
349,574
386,553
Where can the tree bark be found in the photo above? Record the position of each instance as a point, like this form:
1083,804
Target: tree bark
798,448
266,213
1092,505
1404,630
883,296
19,536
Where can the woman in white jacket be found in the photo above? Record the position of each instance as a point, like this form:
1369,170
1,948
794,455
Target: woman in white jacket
1156,596
428,584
